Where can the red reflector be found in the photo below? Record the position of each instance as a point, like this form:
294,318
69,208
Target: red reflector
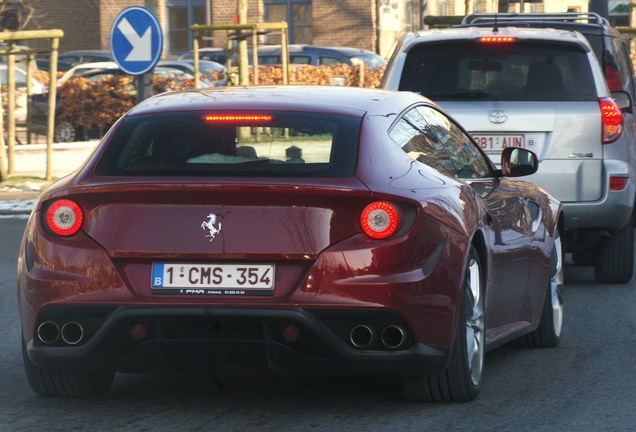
138,332
64,217
618,183
379,219
496,39
237,118
611,120
291,333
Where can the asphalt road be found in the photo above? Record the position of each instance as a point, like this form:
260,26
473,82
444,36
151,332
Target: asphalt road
586,384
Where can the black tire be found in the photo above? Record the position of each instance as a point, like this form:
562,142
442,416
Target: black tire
548,334
64,132
615,257
462,379
56,383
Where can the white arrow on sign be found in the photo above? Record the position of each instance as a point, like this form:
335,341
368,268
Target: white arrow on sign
141,45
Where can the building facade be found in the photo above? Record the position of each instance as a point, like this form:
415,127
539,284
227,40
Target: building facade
369,24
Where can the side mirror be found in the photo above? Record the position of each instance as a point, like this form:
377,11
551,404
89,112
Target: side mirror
623,100
518,162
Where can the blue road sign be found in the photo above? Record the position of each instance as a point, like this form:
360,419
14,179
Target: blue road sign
136,40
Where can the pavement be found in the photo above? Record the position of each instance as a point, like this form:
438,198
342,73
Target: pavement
22,187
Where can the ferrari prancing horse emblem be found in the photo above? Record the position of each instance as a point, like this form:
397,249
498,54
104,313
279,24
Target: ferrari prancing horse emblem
210,226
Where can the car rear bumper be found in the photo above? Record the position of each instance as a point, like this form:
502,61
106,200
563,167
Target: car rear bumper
287,340
611,210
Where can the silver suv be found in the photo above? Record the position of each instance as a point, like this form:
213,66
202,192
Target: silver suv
542,89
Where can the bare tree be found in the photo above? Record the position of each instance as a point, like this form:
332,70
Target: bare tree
16,14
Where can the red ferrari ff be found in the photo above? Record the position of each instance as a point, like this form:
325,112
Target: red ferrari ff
309,229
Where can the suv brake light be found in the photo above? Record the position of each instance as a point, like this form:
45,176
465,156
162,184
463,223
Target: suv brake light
611,120
496,39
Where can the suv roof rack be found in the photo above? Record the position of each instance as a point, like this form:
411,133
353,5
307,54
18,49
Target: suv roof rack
588,17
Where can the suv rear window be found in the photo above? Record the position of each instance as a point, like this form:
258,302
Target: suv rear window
519,71
279,144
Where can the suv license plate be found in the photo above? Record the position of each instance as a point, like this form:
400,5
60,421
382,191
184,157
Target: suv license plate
496,143
213,278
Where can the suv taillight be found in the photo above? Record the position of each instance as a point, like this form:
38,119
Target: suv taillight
611,120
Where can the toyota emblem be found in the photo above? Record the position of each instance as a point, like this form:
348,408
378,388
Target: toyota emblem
498,117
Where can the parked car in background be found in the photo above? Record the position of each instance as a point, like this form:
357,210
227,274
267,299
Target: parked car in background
543,89
21,99
212,74
85,56
218,55
311,55
45,64
87,110
352,230
314,55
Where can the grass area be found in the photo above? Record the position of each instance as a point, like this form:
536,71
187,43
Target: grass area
24,183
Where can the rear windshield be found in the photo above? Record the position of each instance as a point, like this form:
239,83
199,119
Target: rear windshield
499,72
278,144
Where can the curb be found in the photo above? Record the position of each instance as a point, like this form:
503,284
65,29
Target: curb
18,195
16,207
17,202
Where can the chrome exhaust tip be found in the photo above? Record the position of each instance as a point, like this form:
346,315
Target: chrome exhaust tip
393,336
48,332
72,332
361,336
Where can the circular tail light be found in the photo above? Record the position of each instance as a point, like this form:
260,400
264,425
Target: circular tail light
64,217
379,219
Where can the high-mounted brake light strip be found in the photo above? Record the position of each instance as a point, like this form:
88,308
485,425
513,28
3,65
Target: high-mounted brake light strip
237,117
496,39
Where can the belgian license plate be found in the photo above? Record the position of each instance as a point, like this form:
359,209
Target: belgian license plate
496,143
213,279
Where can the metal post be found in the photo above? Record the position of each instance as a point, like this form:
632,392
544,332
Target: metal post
284,55
255,55
3,149
244,76
195,59
29,90
11,107
55,44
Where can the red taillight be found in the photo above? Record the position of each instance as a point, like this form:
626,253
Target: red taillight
496,39
612,78
611,120
617,183
379,219
213,118
64,217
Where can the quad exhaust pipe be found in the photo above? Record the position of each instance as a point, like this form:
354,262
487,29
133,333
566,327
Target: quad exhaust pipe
72,332
362,336
50,332
392,336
